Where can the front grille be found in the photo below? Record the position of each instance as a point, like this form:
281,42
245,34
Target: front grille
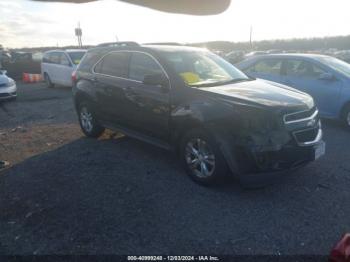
3,85
299,115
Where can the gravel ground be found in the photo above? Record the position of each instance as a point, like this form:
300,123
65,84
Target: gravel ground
66,194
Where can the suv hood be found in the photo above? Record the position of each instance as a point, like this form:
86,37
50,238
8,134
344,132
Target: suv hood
265,94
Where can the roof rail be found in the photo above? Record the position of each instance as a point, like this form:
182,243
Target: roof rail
165,43
118,44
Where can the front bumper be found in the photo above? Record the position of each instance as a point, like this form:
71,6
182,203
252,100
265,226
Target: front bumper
277,164
8,92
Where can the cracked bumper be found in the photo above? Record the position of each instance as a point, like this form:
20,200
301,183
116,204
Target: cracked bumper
277,164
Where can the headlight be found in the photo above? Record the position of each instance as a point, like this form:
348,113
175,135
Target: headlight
10,83
310,102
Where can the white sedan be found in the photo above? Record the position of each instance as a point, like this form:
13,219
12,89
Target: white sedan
8,88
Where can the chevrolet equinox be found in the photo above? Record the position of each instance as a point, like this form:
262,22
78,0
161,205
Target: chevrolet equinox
188,100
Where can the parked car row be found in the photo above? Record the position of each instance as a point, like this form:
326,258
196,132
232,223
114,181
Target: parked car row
17,63
343,55
237,56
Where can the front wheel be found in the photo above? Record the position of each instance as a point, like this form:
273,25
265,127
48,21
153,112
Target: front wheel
88,122
202,158
48,82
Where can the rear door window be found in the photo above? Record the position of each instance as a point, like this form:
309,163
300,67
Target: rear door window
267,66
142,65
46,58
114,64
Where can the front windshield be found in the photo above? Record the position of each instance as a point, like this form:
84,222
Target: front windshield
76,56
203,68
337,65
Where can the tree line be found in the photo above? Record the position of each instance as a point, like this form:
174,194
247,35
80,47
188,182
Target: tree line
302,44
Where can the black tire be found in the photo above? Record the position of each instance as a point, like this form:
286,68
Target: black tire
88,122
209,150
48,82
346,117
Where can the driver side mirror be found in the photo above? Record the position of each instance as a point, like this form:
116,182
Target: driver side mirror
157,80
326,77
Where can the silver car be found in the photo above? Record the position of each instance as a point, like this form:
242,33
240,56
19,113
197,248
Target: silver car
8,88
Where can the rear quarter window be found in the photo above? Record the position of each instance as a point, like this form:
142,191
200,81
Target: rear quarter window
76,56
89,60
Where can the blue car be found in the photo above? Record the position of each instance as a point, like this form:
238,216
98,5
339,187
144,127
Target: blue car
325,78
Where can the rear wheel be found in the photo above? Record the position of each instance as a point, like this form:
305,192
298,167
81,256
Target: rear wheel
88,122
346,117
202,158
48,82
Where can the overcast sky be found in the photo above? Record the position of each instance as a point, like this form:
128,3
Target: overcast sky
25,23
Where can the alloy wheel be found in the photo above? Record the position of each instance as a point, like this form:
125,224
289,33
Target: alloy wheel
86,119
348,119
200,158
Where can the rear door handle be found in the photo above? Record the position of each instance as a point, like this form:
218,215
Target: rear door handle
94,80
127,89
130,93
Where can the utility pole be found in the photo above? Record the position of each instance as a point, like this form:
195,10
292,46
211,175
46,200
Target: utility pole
117,38
78,34
251,37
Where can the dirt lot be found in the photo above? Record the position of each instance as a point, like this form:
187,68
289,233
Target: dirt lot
66,194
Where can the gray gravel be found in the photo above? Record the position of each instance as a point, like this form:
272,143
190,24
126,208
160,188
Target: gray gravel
117,195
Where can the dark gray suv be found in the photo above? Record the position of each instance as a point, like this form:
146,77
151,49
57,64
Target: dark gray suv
189,100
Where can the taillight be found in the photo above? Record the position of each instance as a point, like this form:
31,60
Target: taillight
74,77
